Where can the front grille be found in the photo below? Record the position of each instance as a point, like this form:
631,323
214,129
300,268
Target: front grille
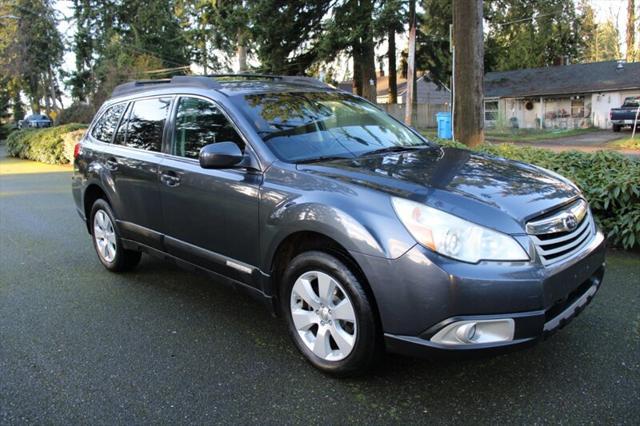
556,246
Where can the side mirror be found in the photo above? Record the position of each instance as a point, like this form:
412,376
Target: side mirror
221,155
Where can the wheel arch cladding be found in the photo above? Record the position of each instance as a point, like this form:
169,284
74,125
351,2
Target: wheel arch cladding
91,194
305,241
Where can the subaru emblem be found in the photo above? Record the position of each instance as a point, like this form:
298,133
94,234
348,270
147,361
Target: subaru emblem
570,222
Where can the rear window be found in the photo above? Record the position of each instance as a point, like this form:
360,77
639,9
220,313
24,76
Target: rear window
106,125
145,124
631,102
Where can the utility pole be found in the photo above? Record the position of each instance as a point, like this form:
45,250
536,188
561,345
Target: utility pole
469,72
411,65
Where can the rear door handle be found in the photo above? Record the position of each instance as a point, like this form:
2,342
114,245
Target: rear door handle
170,178
112,164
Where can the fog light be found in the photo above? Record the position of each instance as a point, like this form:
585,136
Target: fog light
476,332
466,332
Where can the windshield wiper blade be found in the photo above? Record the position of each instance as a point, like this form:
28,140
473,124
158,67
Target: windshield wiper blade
396,148
323,158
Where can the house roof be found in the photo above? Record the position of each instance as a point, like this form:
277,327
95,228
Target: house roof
427,89
563,80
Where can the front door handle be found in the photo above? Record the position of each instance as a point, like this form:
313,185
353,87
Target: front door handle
170,178
111,164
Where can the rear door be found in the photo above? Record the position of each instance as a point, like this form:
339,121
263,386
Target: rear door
134,160
210,216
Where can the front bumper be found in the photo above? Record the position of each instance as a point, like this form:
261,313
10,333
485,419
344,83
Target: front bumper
421,293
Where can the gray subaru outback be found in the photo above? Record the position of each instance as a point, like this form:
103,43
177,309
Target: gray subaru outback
363,235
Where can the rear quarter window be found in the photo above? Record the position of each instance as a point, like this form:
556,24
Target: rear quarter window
145,125
106,125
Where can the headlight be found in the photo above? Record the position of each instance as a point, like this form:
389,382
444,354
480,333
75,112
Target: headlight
454,237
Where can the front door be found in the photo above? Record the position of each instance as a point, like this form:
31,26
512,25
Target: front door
210,217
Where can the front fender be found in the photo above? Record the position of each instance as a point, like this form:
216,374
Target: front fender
359,219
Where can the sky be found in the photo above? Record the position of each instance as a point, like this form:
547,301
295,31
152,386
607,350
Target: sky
605,9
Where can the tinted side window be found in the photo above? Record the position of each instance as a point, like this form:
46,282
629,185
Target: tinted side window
146,124
198,123
106,125
121,134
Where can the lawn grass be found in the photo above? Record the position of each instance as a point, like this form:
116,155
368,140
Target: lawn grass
626,143
532,135
520,135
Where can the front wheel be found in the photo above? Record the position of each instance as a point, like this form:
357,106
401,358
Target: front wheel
329,315
106,240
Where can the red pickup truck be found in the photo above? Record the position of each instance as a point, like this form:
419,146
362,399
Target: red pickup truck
626,115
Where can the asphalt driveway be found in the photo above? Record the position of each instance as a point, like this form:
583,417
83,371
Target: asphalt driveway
161,345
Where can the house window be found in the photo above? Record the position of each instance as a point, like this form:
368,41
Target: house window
577,107
491,111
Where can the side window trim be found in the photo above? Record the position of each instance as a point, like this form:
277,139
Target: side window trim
174,112
101,112
122,117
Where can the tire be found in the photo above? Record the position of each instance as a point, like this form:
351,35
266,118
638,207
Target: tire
616,128
106,240
345,347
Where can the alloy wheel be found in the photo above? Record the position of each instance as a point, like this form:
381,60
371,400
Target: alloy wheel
323,316
104,235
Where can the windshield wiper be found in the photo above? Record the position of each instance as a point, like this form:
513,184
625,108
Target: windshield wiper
323,158
395,148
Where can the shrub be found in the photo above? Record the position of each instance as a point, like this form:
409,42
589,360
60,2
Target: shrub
609,181
49,145
6,129
76,113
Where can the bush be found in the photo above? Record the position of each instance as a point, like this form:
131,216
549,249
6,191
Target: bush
76,113
6,129
53,145
609,181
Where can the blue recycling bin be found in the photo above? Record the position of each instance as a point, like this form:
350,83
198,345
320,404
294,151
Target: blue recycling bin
444,125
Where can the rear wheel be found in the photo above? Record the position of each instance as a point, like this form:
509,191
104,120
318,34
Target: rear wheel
106,240
616,127
329,315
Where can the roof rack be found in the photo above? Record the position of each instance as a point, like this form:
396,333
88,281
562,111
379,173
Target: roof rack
295,79
211,82
178,80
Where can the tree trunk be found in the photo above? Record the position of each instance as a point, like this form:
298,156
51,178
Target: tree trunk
411,68
631,30
242,58
393,72
469,72
242,52
357,70
203,51
369,80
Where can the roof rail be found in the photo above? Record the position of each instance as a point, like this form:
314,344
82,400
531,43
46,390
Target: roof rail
308,81
178,80
210,82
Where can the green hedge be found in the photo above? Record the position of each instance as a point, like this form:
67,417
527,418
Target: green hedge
610,181
53,145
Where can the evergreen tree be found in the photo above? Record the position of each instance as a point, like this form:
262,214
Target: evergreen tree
390,21
31,52
531,34
119,40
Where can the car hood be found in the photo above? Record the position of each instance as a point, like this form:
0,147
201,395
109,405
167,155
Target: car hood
468,184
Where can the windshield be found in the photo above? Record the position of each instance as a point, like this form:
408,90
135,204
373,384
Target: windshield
308,126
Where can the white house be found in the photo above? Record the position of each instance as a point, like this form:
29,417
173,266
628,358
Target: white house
564,96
